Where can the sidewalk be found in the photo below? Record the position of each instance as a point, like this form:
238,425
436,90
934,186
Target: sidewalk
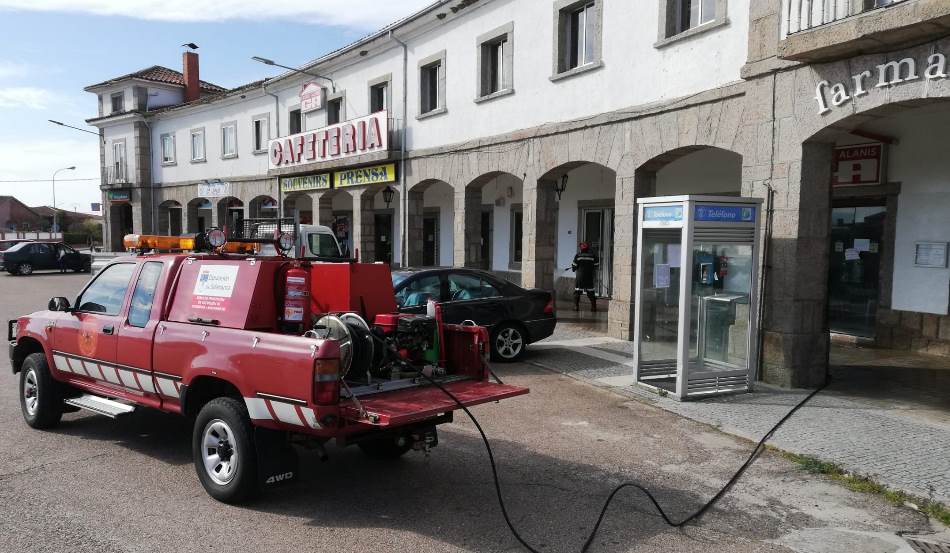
879,418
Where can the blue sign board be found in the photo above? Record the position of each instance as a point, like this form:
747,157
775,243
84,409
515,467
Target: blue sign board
725,213
666,213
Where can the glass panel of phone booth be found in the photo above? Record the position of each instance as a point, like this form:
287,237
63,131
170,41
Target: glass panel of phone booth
720,306
660,308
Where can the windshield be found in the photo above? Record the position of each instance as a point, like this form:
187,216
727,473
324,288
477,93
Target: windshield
323,244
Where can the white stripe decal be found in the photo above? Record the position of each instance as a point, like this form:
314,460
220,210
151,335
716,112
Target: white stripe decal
61,363
310,417
166,387
146,383
286,413
110,374
257,409
85,370
128,380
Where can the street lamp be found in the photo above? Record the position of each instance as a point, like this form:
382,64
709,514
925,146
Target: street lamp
388,196
71,168
74,128
266,61
560,186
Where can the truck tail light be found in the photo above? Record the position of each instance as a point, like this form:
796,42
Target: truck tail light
326,381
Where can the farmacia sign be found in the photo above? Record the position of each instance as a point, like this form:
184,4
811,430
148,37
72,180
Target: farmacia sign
887,74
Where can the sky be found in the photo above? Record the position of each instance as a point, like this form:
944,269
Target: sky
54,48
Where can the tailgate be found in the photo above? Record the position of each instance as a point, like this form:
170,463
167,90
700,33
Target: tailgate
401,407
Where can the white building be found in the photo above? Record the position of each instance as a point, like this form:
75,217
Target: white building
514,129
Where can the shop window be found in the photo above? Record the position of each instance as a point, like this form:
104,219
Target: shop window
295,121
495,57
682,18
229,140
168,148
118,102
379,95
432,85
578,36
260,128
516,246
198,145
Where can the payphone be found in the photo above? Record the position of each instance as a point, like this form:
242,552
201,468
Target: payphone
697,282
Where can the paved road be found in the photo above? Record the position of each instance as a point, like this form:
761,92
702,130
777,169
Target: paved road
97,485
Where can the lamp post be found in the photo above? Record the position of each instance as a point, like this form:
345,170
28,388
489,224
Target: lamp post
388,194
271,62
560,186
70,168
75,128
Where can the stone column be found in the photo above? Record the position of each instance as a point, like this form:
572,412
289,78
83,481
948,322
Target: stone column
621,312
364,224
414,231
467,232
539,235
322,207
795,327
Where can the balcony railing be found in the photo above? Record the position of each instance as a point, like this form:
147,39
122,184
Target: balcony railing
115,175
802,15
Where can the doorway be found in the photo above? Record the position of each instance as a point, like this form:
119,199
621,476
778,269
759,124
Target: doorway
854,286
487,232
597,229
430,240
384,237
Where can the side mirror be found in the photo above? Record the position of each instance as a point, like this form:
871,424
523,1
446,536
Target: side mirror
58,304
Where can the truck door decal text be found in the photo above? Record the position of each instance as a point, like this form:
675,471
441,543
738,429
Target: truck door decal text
214,286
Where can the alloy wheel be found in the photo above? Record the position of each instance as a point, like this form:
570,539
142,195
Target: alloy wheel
509,342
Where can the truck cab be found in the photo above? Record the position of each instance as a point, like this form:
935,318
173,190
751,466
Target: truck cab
259,352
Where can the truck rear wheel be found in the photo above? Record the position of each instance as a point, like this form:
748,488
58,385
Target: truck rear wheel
386,447
40,398
223,449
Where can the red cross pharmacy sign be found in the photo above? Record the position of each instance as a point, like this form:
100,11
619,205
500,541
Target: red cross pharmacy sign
858,165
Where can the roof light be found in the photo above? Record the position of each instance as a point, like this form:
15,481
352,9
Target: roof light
216,238
285,242
153,242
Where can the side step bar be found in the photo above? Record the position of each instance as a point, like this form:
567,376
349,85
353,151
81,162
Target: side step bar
100,405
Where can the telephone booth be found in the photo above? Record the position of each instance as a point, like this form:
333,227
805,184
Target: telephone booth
696,302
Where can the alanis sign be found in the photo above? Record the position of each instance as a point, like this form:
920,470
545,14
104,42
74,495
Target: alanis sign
351,138
886,74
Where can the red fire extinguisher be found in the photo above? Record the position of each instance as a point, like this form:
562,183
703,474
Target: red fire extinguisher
297,295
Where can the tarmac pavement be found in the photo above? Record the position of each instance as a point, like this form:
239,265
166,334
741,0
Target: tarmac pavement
98,485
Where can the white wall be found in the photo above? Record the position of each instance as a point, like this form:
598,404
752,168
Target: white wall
506,190
586,183
920,163
442,196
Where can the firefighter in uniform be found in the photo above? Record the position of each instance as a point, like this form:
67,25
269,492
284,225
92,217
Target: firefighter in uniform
585,265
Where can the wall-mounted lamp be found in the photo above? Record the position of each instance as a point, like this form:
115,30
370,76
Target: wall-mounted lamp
388,196
560,186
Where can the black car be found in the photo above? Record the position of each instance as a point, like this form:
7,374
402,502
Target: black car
26,257
514,316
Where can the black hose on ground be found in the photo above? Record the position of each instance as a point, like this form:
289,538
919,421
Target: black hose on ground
603,512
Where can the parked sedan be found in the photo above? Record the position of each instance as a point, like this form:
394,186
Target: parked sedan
515,316
24,258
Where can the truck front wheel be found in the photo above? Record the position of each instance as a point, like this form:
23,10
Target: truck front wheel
223,448
40,398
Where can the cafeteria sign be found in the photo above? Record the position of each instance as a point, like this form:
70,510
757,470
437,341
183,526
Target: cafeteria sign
308,182
377,174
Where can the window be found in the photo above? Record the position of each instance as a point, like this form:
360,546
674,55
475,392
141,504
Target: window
118,162
516,246
107,292
429,85
198,145
295,121
420,291
324,244
229,140
168,148
42,249
495,61
578,36
260,127
470,287
140,308
118,102
335,110
683,18
379,96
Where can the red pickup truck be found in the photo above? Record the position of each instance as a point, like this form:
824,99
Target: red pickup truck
261,353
